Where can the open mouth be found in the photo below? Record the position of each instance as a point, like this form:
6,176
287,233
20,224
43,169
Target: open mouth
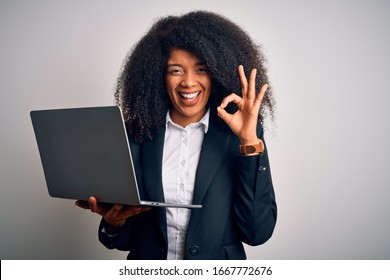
189,96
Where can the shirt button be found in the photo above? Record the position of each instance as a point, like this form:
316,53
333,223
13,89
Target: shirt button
194,250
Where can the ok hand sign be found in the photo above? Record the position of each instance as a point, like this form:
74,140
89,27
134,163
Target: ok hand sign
244,122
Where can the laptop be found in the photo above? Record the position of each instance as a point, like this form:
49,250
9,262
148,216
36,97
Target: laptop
85,152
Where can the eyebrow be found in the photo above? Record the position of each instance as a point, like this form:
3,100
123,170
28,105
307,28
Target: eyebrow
179,65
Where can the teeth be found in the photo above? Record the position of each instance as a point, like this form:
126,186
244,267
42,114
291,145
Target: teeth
189,95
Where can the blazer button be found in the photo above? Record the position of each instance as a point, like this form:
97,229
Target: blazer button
194,250
262,169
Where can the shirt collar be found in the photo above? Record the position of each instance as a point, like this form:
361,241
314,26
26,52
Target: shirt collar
204,121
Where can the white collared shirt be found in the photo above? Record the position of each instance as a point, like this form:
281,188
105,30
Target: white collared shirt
181,154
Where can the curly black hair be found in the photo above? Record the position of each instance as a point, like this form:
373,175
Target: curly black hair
215,40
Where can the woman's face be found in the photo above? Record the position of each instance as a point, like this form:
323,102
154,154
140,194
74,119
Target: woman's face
188,83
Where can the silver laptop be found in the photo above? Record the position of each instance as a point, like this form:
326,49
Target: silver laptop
85,152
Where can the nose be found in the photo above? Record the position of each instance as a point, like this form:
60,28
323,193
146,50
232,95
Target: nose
188,80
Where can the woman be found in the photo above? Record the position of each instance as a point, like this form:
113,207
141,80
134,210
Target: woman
195,133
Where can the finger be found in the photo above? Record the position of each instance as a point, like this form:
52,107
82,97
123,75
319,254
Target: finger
82,204
113,215
93,204
230,98
243,80
114,211
120,212
260,96
131,211
251,95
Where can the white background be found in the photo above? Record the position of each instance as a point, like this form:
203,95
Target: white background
329,147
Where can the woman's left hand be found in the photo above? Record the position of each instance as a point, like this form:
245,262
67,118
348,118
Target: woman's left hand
244,122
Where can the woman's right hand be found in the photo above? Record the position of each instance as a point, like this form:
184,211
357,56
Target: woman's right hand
115,215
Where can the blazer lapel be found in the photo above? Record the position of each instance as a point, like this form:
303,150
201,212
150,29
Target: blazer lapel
215,143
152,153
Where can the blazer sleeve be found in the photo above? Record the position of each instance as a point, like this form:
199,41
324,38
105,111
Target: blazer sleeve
255,204
115,239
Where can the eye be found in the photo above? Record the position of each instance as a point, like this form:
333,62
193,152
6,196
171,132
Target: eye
203,70
175,71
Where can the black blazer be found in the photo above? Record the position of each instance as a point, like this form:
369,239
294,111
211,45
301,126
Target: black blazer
236,193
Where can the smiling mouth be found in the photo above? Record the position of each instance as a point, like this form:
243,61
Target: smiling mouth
189,96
